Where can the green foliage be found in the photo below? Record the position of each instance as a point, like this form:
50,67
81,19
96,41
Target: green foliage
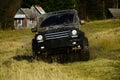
29,3
87,9
51,5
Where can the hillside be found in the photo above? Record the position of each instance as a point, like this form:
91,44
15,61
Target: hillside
104,40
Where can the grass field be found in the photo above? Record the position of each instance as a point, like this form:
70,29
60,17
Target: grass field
104,40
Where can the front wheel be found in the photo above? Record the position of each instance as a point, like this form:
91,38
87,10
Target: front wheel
35,53
84,53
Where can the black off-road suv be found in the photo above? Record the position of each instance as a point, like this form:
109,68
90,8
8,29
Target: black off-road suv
58,33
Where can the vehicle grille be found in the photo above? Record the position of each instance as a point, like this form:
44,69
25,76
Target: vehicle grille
57,35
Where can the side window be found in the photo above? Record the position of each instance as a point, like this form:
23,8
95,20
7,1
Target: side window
19,21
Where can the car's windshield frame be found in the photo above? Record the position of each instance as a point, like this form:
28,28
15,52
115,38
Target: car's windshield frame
59,19
74,23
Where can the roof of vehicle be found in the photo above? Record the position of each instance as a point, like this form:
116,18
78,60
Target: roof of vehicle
61,12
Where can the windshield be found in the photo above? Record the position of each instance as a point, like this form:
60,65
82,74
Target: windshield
58,20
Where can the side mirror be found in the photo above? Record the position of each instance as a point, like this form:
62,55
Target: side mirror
82,22
34,30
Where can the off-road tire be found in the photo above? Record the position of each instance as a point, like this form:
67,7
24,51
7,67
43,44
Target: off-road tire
34,50
84,52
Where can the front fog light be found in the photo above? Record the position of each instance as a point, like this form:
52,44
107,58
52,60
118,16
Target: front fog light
42,47
74,32
74,43
39,37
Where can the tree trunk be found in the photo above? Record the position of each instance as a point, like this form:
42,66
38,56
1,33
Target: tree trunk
7,23
104,9
8,8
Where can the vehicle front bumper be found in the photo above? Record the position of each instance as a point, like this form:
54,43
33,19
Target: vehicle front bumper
58,43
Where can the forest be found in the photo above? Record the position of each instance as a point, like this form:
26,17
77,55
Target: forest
87,9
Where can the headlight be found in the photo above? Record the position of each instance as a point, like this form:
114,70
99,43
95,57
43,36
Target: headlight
74,32
39,37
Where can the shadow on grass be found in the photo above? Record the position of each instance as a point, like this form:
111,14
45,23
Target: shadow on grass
23,57
49,58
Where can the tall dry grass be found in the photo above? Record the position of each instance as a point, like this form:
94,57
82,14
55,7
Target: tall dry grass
106,44
104,40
